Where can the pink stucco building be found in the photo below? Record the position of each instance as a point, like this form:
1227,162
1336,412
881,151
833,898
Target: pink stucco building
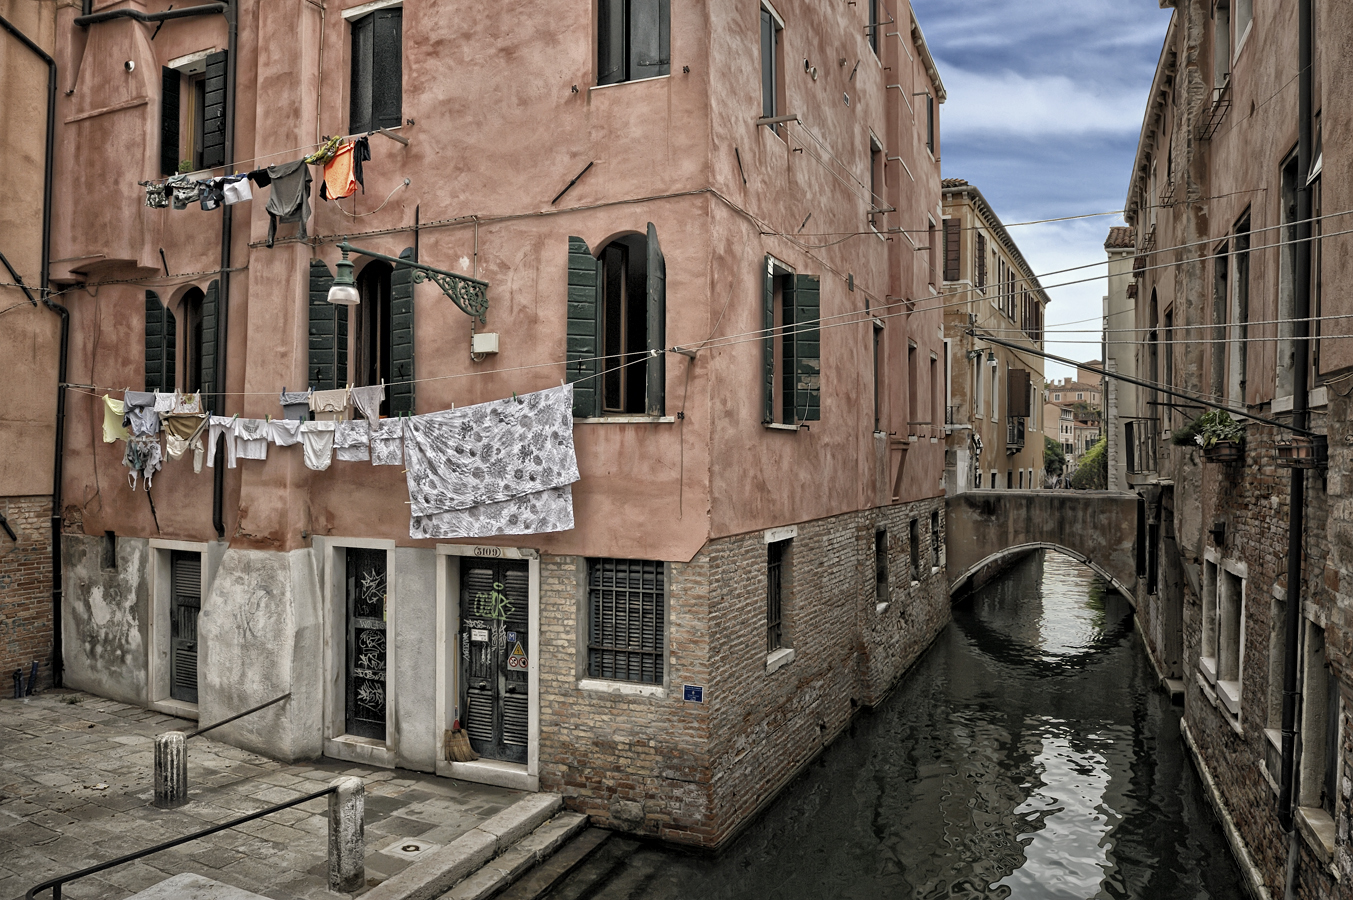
757,547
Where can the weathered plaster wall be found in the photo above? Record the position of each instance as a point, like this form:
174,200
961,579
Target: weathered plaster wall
105,617
413,687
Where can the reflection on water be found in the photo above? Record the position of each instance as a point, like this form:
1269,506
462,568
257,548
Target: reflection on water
1025,756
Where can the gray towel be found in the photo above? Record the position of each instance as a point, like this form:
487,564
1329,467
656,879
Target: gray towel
290,197
296,405
368,402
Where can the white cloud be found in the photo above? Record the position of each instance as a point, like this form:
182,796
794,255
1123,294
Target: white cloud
984,104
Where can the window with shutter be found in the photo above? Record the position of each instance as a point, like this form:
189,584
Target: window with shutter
185,577
584,282
401,336
807,348
374,344
161,346
1017,393
633,40
952,250
328,329
656,298
791,348
980,258
190,308
627,620
377,84
169,120
211,308
213,111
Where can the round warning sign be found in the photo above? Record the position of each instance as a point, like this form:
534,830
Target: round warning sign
517,659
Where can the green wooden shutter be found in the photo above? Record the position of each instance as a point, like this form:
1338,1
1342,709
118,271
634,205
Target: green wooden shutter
169,120
401,336
807,348
213,115
649,38
322,359
160,345
768,341
211,318
387,69
584,280
656,381
363,44
611,41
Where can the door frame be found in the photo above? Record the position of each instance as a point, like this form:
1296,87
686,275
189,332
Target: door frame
159,637
337,743
485,771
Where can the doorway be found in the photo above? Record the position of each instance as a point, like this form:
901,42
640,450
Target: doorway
364,711
185,599
495,656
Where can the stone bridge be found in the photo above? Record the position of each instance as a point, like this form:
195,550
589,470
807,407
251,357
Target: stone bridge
1098,528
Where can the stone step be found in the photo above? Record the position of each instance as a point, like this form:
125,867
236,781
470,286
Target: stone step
540,880
596,870
521,857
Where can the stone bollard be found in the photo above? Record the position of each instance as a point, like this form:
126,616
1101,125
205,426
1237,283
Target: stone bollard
171,770
347,836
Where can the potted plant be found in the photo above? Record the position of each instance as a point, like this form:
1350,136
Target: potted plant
1221,437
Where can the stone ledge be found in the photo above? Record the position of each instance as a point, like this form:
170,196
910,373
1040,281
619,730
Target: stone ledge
1317,828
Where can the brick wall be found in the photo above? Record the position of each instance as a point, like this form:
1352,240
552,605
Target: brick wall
26,590
694,773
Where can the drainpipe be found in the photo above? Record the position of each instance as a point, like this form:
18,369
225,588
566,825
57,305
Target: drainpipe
86,19
1301,361
231,11
46,256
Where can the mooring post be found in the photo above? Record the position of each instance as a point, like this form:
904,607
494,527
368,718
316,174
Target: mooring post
171,770
347,838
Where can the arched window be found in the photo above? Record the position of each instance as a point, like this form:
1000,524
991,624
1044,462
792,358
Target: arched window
375,347
624,325
190,311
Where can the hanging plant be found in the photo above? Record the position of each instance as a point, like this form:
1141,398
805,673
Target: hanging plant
1217,427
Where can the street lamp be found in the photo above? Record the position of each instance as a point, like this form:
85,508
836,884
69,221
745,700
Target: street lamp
469,294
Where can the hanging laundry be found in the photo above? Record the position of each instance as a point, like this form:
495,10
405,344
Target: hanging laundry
485,457
368,401
185,190
236,189
325,152
213,194
285,432
216,427
141,417
330,406
174,446
317,439
290,198
142,457
352,441
251,438
296,405
343,173
260,177
189,404
387,443
157,196
114,411
165,403
182,425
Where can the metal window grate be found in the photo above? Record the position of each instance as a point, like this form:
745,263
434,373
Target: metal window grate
627,606
775,559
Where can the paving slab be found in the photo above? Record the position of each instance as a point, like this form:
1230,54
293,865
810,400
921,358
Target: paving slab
76,785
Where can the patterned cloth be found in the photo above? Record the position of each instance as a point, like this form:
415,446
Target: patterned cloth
352,441
507,461
387,443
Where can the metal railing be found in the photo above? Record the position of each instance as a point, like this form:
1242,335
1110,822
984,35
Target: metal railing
241,715
171,758
1141,440
55,884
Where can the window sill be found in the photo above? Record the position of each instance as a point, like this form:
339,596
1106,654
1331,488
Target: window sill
779,426
880,608
1229,693
602,87
779,659
625,420
1208,666
624,688
1317,828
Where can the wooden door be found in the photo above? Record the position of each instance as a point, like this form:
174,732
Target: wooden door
496,656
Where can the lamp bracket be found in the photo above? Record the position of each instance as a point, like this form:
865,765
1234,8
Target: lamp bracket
470,295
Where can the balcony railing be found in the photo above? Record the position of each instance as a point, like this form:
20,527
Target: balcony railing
1141,441
1014,434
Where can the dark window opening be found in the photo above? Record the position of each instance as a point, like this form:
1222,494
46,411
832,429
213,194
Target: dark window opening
633,40
915,534
1241,308
375,346
191,309
108,558
952,233
776,554
772,79
935,538
627,610
878,399
874,26
882,591
624,325
930,123
377,71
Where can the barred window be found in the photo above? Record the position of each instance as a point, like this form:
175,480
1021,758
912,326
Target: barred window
627,610
776,551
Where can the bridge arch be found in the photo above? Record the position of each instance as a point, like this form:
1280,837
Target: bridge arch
1097,528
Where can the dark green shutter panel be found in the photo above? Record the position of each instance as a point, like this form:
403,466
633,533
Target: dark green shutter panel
322,361
359,109
160,345
584,280
807,348
650,38
768,341
213,115
387,69
401,336
952,257
656,381
169,121
211,318
610,41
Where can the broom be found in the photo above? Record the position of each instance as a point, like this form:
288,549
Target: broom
458,747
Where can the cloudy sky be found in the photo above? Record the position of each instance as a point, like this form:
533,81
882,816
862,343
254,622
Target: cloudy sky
1045,105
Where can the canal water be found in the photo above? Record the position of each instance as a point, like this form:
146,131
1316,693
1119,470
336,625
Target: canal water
1027,755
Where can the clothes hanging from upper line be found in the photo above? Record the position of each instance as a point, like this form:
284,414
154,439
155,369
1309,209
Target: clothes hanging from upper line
343,173
290,197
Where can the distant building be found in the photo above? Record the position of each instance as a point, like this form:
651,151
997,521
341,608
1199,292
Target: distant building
1127,448
994,408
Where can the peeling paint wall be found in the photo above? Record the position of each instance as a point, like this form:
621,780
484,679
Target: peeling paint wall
105,617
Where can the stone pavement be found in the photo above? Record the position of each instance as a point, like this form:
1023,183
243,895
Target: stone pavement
75,790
